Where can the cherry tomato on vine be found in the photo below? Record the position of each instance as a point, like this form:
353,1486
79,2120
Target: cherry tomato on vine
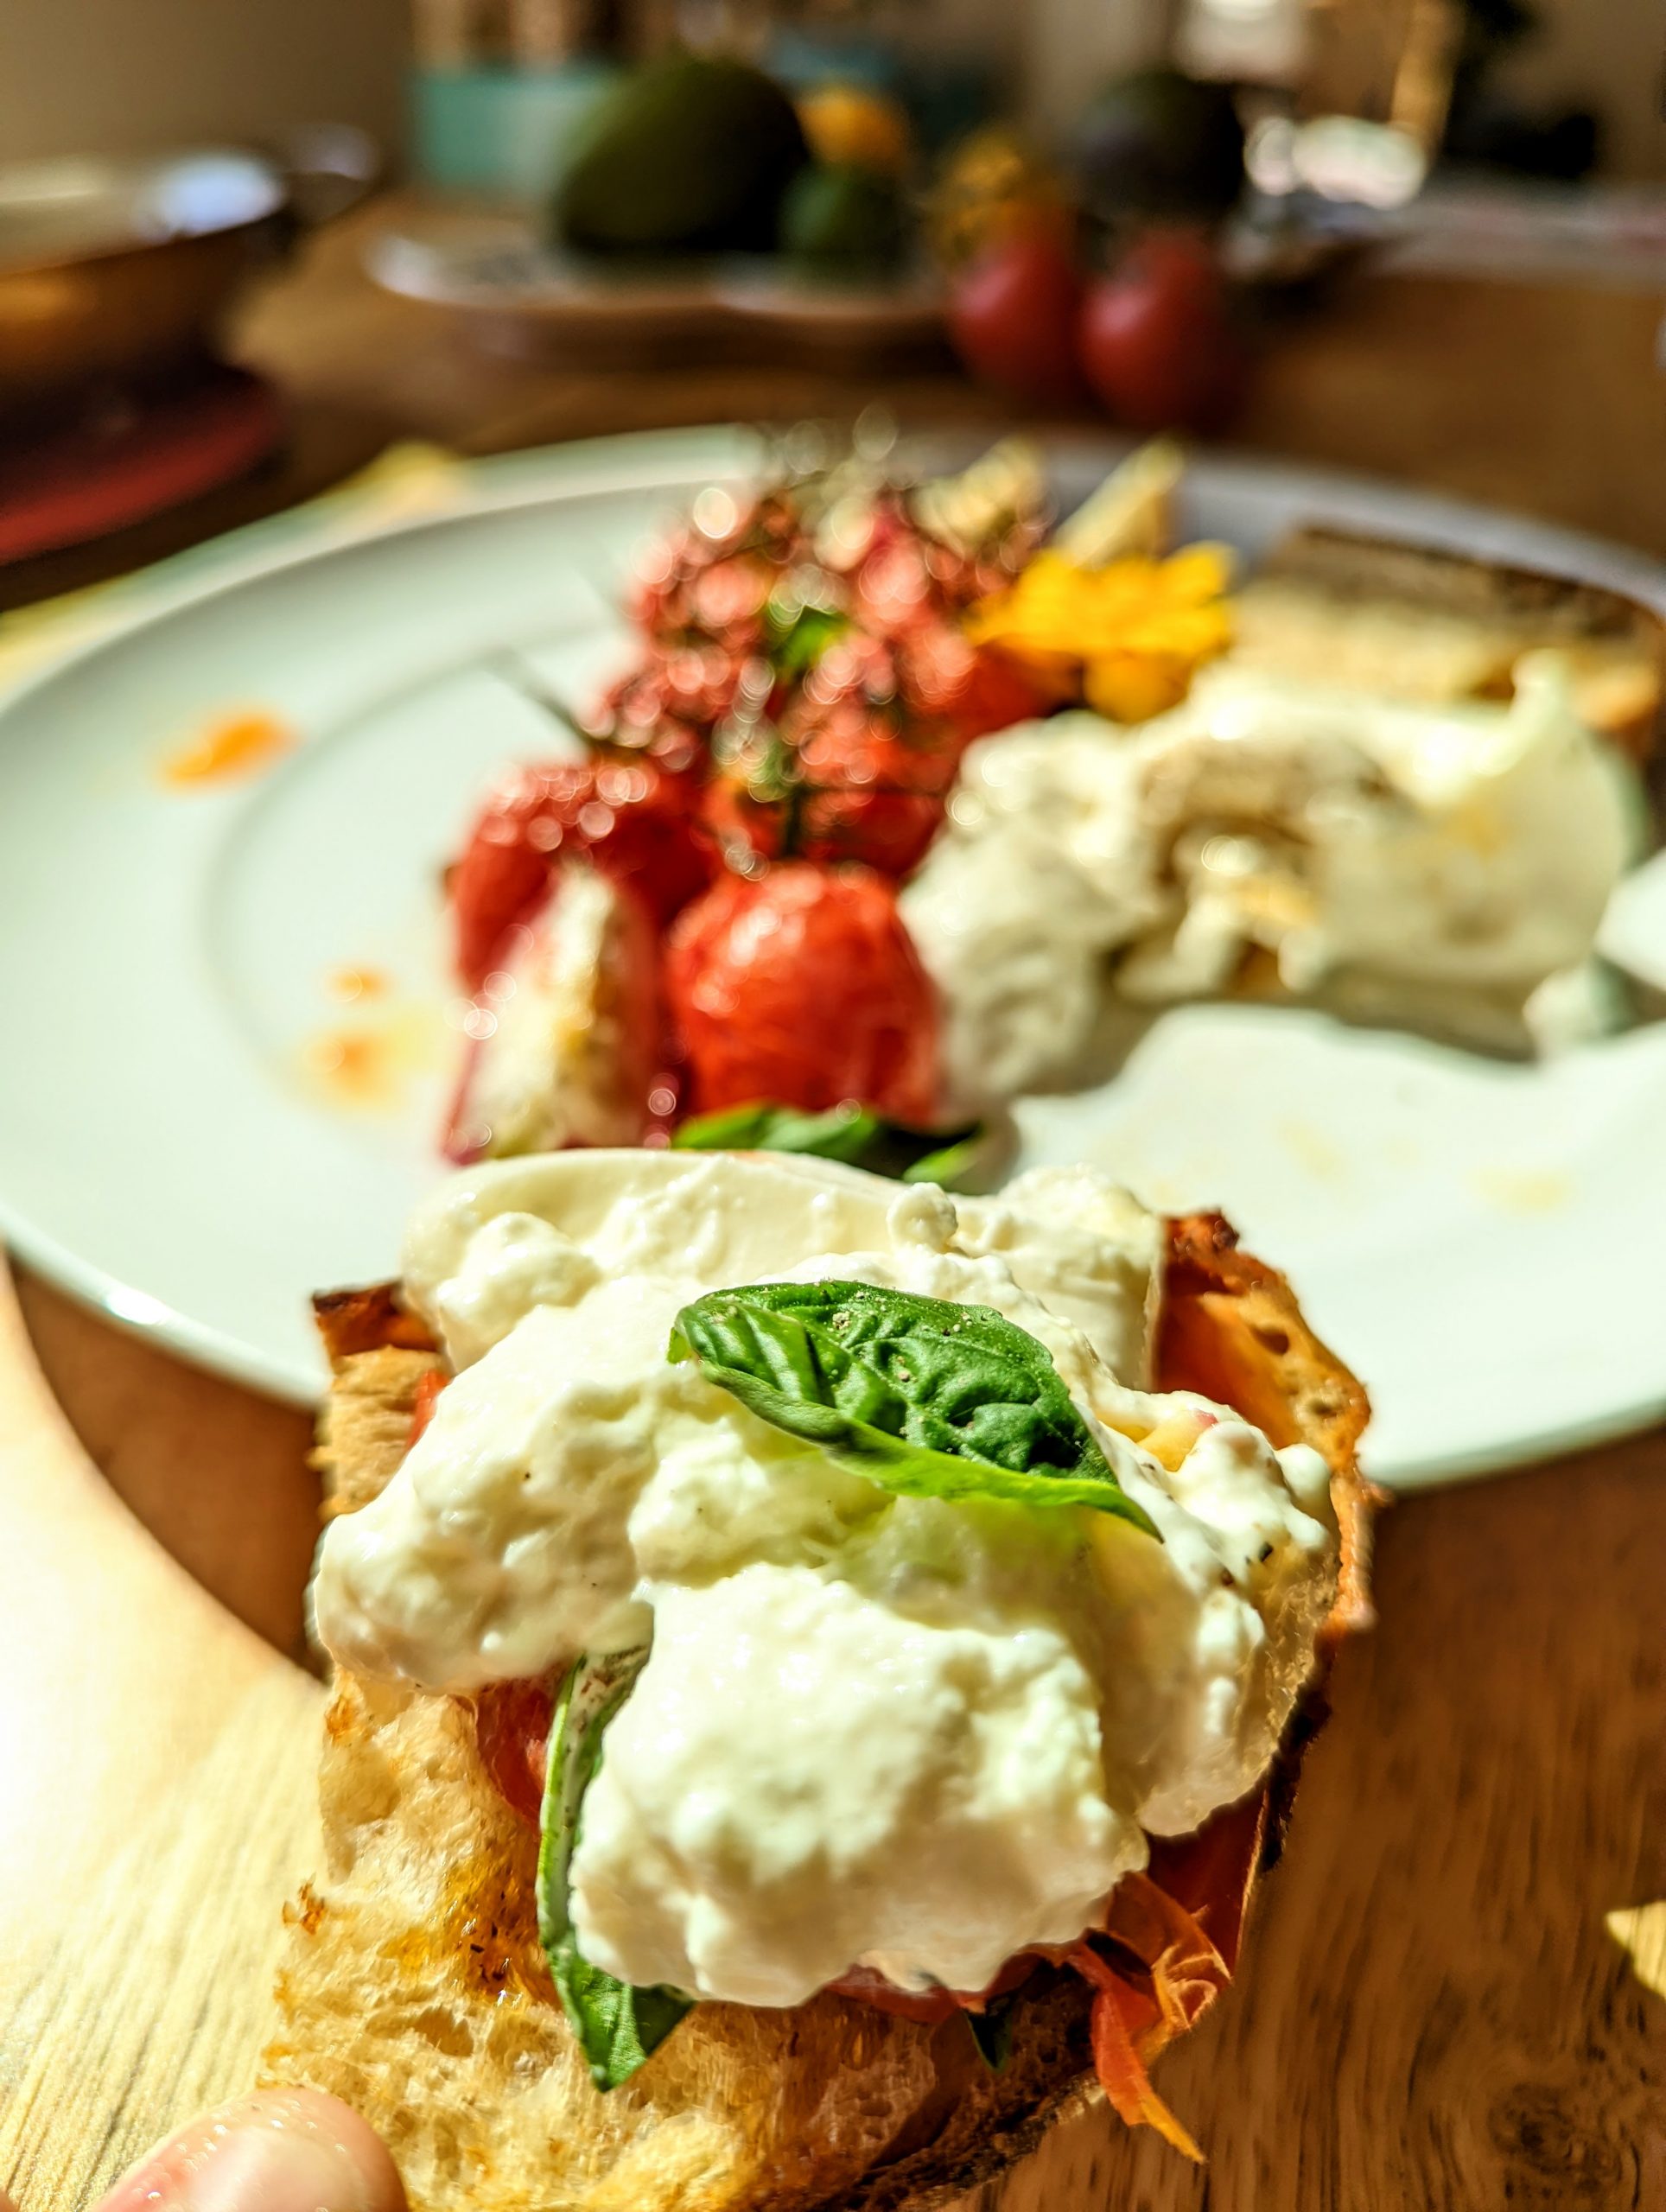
802,986
632,818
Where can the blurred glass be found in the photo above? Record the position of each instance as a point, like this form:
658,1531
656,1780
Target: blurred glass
1360,89
1388,61
1252,42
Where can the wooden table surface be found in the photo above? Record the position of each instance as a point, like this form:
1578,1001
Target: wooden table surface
1435,2010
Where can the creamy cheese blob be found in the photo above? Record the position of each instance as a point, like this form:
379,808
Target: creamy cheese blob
562,1053
889,1731
1360,842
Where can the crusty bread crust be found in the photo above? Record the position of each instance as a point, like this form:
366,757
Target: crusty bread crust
364,1430
1423,622
1231,1330
416,1989
414,1986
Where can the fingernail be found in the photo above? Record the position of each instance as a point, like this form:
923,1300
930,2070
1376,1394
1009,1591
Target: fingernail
282,2151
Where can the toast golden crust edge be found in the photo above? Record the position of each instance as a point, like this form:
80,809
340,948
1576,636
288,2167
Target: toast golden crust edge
414,1986
1426,622
1231,1328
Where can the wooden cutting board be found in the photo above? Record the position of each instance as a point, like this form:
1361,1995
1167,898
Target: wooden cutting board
1434,2010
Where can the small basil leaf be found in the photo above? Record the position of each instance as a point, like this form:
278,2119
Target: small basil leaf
854,1135
992,2031
617,2025
959,1155
798,640
842,1133
926,1398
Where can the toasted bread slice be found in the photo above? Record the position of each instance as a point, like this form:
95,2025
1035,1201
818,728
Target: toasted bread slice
1421,623
414,1986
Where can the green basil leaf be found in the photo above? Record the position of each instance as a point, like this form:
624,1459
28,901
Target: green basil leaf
957,1156
992,2031
926,1398
854,1135
617,2025
797,638
754,755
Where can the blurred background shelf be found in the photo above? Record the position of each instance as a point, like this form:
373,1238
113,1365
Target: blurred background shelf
1496,336
1542,397
136,78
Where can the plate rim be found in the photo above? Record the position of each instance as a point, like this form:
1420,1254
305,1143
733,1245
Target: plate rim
638,461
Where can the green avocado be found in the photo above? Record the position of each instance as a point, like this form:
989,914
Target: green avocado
841,218
687,155
1158,144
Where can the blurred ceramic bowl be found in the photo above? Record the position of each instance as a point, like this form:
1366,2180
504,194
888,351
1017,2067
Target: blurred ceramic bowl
114,268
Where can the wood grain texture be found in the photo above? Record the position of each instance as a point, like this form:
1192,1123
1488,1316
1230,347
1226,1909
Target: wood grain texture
1432,2011
155,1800
152,2003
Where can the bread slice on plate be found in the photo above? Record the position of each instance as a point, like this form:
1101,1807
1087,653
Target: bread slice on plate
1425,624
415,1987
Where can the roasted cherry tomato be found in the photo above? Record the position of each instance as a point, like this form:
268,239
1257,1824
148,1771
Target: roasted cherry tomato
595,1076
712,578
743,819
889,830
871,794
852,745
1158,342
835,781
667,706
995,693
802,985
1012,316
632,818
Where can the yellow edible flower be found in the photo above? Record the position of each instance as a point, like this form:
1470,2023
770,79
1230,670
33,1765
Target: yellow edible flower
1131,634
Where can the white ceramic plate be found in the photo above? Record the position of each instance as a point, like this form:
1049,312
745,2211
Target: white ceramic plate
1481,1241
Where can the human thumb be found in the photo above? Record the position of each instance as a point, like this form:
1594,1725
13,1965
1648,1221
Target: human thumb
278,2151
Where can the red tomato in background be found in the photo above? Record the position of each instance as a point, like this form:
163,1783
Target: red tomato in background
1157,339
802,986
1013,316
634,820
